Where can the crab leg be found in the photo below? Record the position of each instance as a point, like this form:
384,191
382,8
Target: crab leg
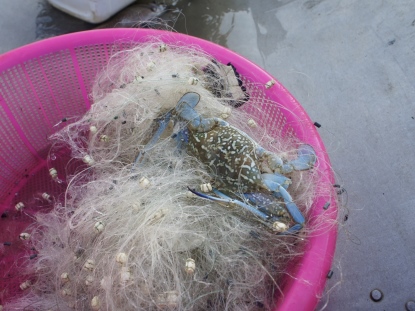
274,221
225,199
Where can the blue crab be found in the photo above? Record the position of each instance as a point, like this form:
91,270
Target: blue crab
239,164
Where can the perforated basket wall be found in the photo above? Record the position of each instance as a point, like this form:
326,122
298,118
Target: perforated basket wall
42,83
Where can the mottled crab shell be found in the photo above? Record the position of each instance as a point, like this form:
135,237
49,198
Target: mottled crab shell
230,154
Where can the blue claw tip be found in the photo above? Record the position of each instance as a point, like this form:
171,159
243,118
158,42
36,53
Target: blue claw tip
306,158
187,102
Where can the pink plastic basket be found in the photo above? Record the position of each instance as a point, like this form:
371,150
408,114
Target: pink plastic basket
46,81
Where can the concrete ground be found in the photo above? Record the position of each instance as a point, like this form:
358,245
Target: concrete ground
351,65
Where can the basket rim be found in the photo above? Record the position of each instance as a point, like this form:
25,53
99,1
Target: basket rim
305,286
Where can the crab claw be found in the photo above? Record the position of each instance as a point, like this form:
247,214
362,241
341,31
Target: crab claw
185,109
306,160
272,181
186,112
185,105
163,122
293,210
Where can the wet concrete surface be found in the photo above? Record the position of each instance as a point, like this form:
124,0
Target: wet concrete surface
351,65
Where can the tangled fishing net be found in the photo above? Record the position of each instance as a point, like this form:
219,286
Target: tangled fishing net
127,234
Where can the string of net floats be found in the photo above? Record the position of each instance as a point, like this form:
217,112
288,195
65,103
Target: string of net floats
130,236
